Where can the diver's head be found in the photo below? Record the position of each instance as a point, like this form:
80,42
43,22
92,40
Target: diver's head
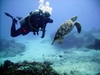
74,18
46,14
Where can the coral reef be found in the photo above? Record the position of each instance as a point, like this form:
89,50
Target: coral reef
26,68
98,73
10,48
94,45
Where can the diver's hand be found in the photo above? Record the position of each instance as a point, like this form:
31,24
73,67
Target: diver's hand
51,21
42,36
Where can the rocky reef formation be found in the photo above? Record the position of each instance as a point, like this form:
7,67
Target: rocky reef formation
10,48
27,68
94,45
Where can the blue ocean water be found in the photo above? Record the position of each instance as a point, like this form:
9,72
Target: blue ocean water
88,12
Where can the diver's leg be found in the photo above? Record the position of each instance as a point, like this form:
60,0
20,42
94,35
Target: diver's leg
15,32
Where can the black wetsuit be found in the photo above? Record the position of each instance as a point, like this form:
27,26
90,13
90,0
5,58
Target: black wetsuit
36,22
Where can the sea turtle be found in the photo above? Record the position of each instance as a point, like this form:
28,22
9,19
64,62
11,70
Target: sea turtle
66,28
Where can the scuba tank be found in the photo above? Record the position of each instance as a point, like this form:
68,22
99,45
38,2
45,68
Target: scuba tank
27,20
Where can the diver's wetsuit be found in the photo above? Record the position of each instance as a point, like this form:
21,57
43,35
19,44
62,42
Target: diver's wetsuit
21,30
36,22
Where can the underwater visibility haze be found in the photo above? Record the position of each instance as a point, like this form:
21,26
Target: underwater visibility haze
78,54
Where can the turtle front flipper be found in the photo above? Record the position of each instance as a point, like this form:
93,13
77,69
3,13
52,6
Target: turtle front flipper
78,26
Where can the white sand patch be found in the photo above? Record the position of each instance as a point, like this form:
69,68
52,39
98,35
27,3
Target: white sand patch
79,62
82,68
35,49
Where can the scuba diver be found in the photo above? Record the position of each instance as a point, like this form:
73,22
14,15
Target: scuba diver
36,21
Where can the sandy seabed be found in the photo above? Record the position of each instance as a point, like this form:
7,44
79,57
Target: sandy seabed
80,61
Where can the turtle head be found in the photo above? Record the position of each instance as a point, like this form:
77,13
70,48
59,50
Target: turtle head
74,18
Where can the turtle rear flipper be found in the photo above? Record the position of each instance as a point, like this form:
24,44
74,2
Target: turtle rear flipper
52,42
78,26
55,38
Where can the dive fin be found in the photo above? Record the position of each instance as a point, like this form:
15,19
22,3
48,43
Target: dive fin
78,26
19,18
7,14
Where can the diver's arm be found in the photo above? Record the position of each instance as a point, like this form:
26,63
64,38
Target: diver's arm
43,31
43,28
